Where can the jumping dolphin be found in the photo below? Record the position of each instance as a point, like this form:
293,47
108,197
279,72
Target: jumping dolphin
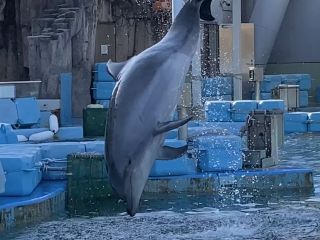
145,96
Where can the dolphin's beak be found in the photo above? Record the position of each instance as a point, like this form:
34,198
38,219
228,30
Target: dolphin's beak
131,212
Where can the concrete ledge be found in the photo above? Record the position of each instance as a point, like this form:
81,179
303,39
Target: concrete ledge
47,200
260,179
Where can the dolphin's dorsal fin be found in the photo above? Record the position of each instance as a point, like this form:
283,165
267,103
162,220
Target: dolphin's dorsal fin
167,126
170,153
114,68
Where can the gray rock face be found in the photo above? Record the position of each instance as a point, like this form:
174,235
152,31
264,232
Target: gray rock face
62,41
39,39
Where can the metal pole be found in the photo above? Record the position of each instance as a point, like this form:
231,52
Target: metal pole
182,111
236,49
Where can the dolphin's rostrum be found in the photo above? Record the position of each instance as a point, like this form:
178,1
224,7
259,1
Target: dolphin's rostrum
148,89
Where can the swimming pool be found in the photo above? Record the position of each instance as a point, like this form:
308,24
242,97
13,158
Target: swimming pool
227,215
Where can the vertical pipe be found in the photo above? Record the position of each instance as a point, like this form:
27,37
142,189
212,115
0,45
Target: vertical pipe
182,111
236,49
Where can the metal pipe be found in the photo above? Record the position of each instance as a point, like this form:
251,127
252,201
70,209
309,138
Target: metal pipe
182,111
236,49
20,82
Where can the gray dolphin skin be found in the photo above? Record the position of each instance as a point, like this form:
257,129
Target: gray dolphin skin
147,92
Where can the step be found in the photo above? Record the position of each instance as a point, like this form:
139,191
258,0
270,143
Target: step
63,10
50,10
62,25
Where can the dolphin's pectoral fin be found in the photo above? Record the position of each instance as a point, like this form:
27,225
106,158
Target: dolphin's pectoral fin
114,68
170,153
167,126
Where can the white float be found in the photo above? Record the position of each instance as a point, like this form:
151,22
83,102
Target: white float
22,138
41,136
53,123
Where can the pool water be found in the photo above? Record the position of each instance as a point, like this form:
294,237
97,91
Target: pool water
227,215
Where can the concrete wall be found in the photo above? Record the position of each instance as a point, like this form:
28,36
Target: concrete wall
299,36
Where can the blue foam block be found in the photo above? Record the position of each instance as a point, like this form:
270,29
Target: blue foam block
263,95
101,74
70,133
218,111
218,153
103,90
217,86
314,122
22,183
173,134
7,136
22,167
271,105
95,147
217,98
296,122
228,127
8,112
60,150
14,161
303,98
270,82
303,80
28,111
176,167
104,103
241,109
173,167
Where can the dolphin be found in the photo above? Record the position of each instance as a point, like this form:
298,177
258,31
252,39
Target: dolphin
146,94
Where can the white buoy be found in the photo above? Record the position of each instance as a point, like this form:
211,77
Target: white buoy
41,136
22,138
53,123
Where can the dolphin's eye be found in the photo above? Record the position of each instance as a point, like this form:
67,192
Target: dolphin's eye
129,161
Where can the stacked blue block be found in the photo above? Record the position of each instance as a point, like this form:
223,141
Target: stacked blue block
22,167
101,74
173,167
218,111
60,150
8,112
94,147
296,122
103,90
7,136
217,86
314,122
219,153
270,82
271,105
263,95
241,109
28,111
217,98
303,98
303,80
